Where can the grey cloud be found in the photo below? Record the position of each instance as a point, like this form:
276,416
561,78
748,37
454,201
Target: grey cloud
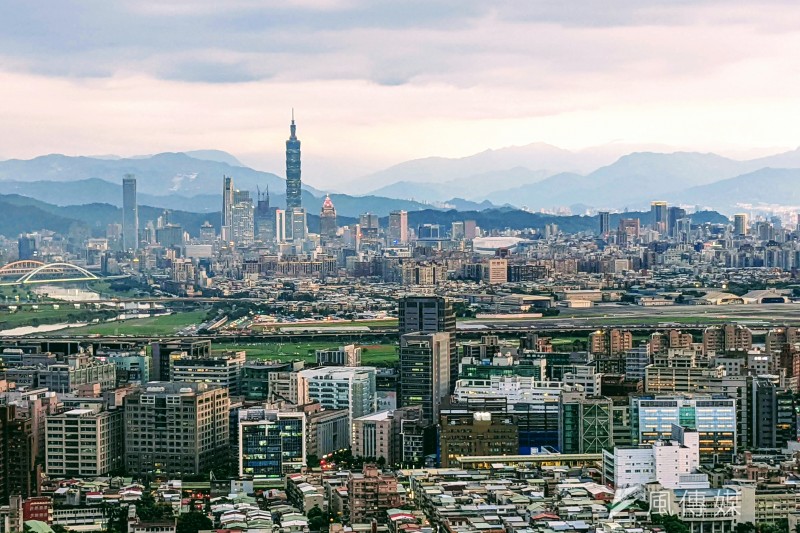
460,42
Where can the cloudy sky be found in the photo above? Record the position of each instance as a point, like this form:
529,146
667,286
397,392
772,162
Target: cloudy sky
376,82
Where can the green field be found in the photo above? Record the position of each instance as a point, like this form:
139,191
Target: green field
47,315
374,354
159,325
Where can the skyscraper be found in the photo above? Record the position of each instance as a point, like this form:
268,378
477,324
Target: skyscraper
425,371
241,225
264,219
227,206
605,223
327,219
658,211
130,214
740,224
398,227
674,214
431,314
293,193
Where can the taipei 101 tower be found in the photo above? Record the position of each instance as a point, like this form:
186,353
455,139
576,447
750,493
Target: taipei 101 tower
293,194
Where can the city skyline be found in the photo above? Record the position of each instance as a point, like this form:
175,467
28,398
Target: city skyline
687,76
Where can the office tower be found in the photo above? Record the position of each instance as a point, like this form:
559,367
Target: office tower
207,233
293,183
298,224
164,352
170,236
457,230
674,214
713,416
17,454
327,219
467,433
227,206
334,387
628,230
176,429
280,226
497,271
605,222
425,371
429,232
272,443
220,370
470,229
130,214
431,314
667,461
658,215
372,436
585,423
370,225
242,230
398,228
26,248
327,430
764,404
264,219
84,442
348,355
740,224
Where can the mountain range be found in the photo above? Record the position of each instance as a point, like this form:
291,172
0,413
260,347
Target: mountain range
544,177
532,177
23,214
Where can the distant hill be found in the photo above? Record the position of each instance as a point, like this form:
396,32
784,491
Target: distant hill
777,186
21,214
160,174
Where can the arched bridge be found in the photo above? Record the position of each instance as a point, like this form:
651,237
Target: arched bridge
32,272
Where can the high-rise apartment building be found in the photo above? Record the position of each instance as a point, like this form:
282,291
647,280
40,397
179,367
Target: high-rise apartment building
398,228
176,428
84,443
611,342
425,371
727,338
130,214
293,183
371,493
585,423
17,454
327,219
227,206
272,443
431,314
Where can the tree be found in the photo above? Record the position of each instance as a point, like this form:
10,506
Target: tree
671,523
317,520
192,522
